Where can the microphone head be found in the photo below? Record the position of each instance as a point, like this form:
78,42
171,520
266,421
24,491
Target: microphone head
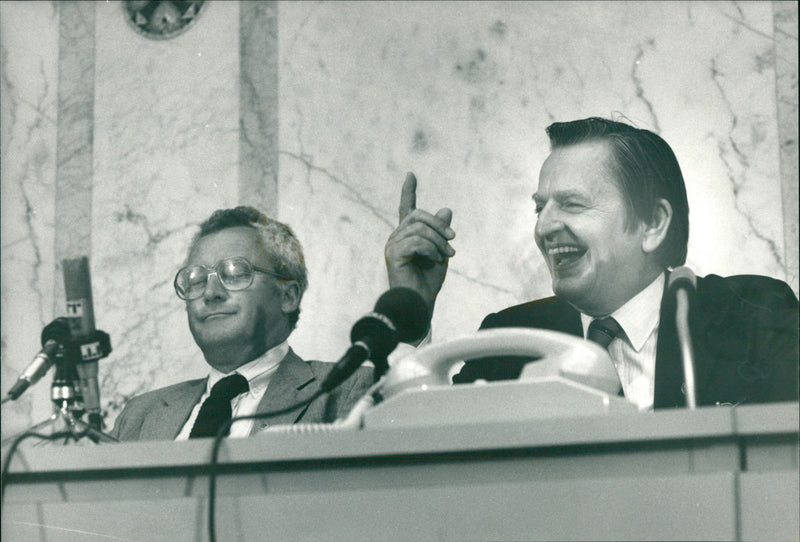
58,330
377,333
408,312
682,277
399,315
78,292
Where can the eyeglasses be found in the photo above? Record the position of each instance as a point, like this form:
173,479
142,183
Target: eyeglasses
233,273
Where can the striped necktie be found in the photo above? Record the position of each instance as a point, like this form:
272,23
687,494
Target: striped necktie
602,331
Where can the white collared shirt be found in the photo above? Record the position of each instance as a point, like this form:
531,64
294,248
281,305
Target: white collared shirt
258,374
634,350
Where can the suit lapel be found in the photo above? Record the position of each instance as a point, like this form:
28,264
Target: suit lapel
569,320
669,371
291,383
168,417
550,313
715,337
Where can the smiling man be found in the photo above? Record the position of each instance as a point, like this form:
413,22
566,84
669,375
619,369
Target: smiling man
242,284
612,221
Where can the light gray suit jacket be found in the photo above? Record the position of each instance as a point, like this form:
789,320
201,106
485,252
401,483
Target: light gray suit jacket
162,413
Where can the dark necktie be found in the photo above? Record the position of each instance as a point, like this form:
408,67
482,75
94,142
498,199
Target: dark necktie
216,409
602,331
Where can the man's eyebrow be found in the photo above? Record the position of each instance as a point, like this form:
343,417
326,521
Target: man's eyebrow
560,195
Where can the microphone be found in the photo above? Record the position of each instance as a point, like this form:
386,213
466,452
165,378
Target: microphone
683,283
88,344
54,336
400,315
65,389
682,277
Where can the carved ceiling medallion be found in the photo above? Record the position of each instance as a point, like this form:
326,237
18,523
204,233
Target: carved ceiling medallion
162,19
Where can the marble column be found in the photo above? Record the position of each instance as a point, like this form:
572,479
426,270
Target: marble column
258,106
785,17
29,52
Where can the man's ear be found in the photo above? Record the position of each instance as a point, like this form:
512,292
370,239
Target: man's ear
290,296
655,232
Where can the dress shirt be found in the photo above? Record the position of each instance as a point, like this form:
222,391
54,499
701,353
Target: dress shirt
633,351
258,374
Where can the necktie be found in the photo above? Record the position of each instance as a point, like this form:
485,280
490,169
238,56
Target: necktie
602,331
216,409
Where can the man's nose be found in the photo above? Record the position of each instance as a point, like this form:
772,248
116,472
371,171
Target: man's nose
214,288
548,222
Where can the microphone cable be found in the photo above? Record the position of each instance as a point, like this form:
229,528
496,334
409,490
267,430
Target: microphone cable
68,434
18,440
218,439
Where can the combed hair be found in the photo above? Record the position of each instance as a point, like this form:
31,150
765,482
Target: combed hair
645,168
278,242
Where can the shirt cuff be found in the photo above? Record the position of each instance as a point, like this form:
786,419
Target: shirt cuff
405,349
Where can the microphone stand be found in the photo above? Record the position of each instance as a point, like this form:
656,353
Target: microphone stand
68,411
685,340
78,427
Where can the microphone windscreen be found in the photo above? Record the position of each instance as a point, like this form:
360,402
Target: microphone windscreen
682,276
78,291
376,333
58,330
407,311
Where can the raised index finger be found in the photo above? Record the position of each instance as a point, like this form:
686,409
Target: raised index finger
408,196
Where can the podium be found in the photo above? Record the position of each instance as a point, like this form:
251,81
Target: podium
723,473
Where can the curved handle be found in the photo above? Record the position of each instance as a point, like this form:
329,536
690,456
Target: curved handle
561,354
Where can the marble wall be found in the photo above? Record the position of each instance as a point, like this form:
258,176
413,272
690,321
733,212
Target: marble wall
116,146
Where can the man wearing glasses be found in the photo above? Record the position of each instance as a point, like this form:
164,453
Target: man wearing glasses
242,284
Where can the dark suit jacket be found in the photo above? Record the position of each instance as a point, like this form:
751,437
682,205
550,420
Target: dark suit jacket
744,332
162,413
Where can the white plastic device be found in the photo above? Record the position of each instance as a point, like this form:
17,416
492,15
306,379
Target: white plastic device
568,370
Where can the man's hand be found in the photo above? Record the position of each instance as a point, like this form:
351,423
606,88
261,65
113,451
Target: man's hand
417,251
